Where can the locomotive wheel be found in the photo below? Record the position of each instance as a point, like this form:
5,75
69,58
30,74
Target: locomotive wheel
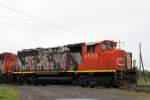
35,81
74,82
92,83
20,80
44,84
107,82
81,81
28,81
85,83
116,84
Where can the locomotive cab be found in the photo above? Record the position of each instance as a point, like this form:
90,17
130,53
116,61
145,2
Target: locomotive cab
103,56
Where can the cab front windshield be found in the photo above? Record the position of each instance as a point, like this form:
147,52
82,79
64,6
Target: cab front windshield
107,46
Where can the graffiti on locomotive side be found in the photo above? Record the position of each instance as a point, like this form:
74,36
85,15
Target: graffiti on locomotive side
45,60
30,63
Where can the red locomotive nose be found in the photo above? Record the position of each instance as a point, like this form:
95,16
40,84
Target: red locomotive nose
120,59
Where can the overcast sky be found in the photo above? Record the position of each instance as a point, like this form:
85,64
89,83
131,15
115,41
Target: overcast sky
60,22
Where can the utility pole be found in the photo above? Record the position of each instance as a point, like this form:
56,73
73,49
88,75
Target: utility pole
141,65
140,58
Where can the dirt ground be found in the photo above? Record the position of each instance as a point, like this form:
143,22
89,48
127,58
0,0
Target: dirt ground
61,92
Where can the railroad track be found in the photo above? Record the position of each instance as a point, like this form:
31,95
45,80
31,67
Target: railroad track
145,89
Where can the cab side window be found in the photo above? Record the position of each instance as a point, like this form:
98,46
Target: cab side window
90,48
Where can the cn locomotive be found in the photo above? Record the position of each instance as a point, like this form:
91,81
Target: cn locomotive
85,64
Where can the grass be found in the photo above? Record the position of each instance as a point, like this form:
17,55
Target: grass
144,79
7,93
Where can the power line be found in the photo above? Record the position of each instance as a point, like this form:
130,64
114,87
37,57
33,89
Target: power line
34,26
35,18
17,26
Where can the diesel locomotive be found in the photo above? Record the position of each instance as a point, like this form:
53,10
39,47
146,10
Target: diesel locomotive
85,64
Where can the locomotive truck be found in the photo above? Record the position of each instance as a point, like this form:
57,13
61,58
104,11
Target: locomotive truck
85,64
